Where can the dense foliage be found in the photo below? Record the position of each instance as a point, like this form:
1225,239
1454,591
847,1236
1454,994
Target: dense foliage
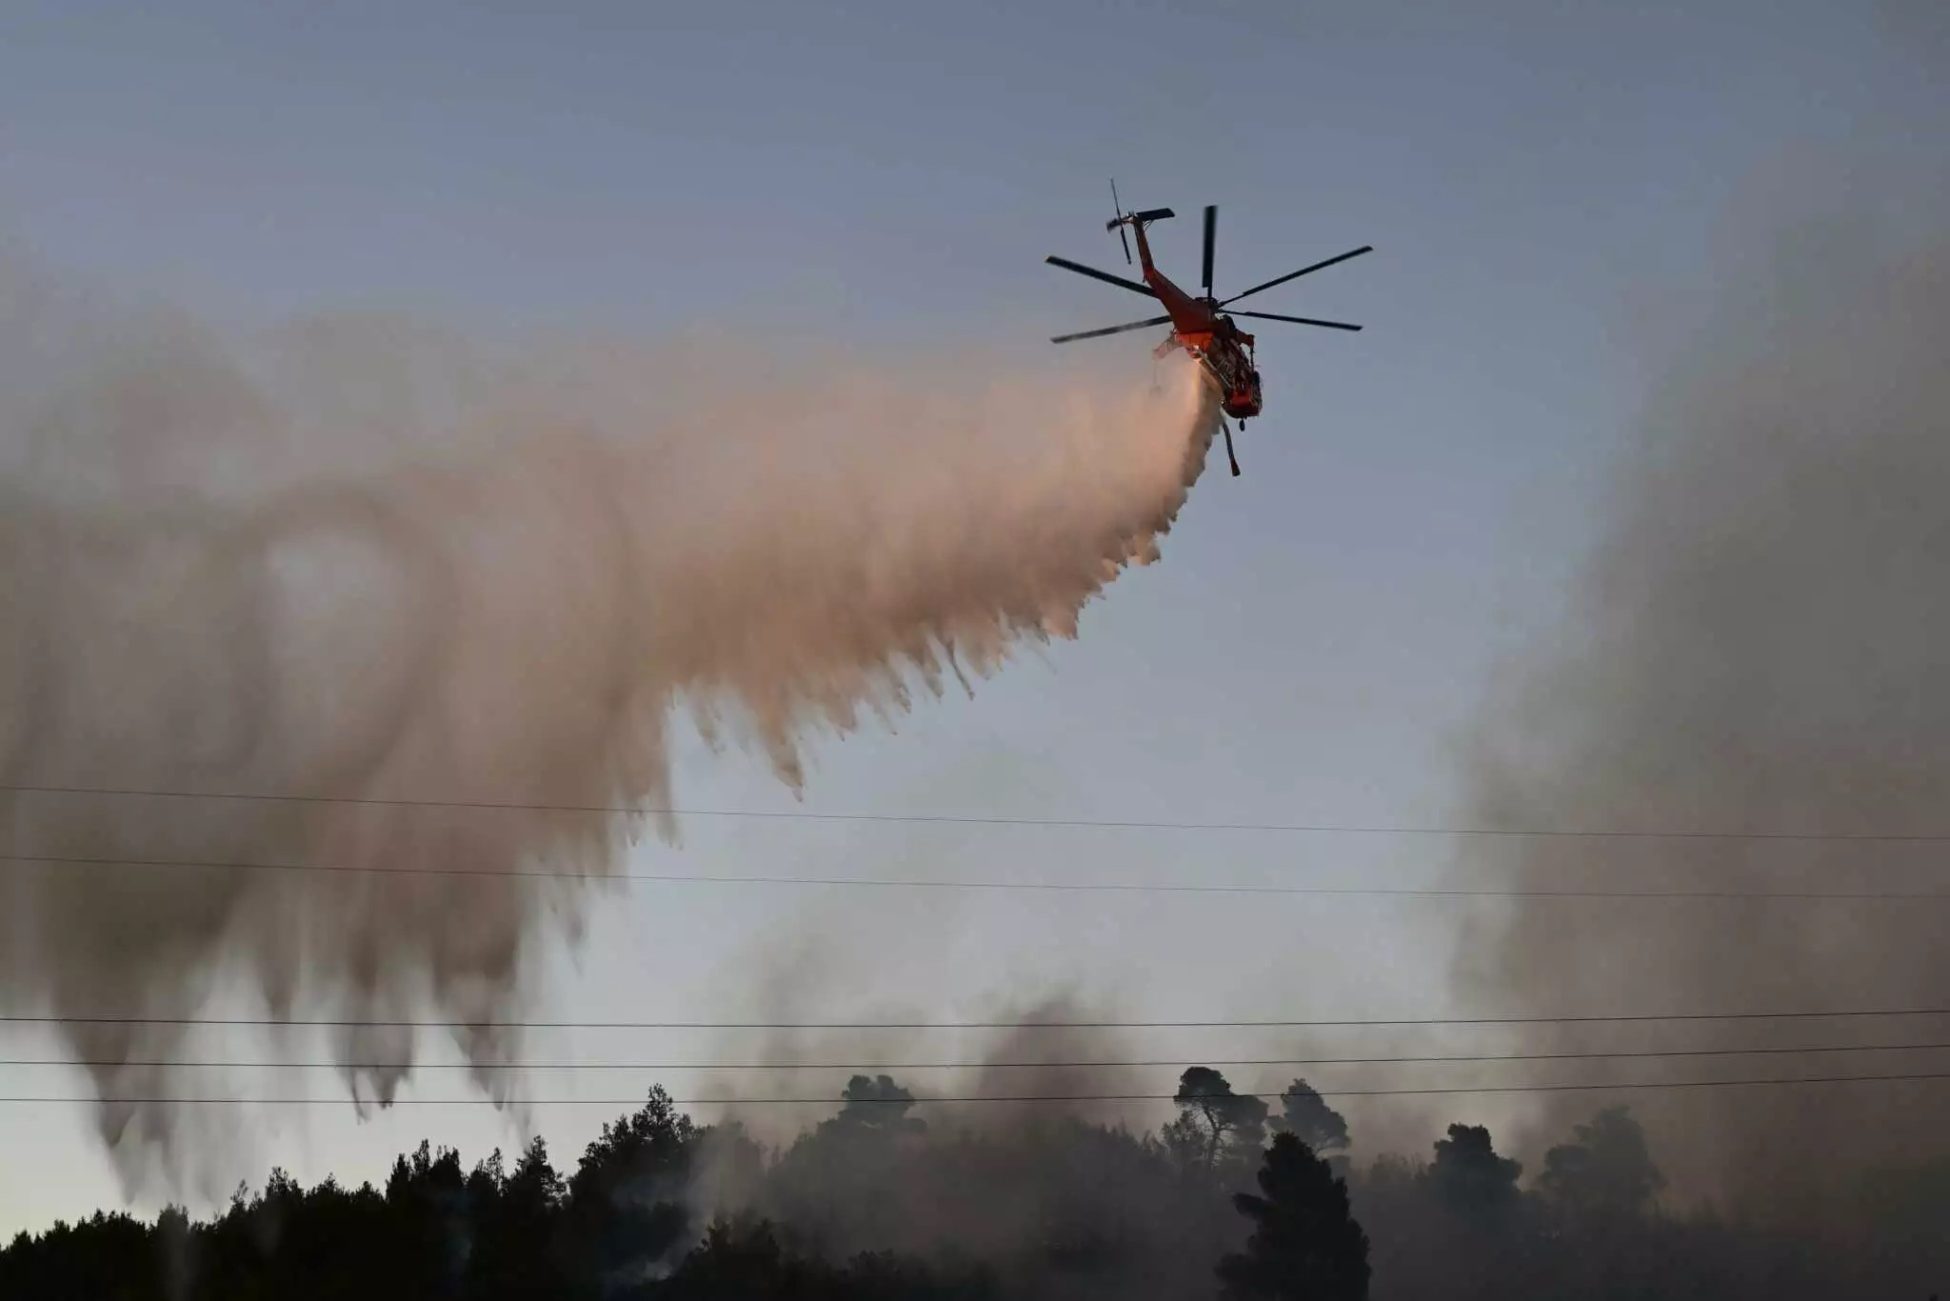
874,1204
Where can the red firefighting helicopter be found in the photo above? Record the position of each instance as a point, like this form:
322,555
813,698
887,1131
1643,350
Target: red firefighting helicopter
1198,325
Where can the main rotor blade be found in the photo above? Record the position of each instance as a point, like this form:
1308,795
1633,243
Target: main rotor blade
1104,276
1297,320
1211,227
1295,275
1113,329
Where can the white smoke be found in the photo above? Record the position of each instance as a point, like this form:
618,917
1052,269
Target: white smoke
361,560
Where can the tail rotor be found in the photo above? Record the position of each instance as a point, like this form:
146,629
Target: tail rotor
1211,229
1117,208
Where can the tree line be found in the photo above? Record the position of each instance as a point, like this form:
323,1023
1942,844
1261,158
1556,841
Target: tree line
1237,1197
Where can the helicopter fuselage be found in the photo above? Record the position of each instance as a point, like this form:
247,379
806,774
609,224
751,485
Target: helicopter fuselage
1210,336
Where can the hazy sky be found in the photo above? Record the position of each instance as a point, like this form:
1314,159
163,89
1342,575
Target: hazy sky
1554,192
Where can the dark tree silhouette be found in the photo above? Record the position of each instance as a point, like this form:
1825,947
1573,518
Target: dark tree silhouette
1228,1122
429,1201
1305,1243
1306,1116
516,1250
1469,1176
1025,1206
743,1258
1607,1171
626,1209
878,1103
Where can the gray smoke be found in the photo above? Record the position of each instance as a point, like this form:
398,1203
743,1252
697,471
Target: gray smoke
363,560
1757,646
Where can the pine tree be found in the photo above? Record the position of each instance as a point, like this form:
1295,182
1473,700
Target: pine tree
1305,1245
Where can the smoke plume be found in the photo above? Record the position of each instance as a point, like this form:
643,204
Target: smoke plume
361,561
1757,646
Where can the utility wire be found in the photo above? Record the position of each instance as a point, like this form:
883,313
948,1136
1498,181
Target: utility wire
1644,1085
970,1065
1589,1019
1082,887
807,815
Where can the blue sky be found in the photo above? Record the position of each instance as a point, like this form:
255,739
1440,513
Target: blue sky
1554,191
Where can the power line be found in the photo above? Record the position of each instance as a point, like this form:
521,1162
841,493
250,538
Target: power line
1084,887
1636,1085
1588,1019
973,1064
955,819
